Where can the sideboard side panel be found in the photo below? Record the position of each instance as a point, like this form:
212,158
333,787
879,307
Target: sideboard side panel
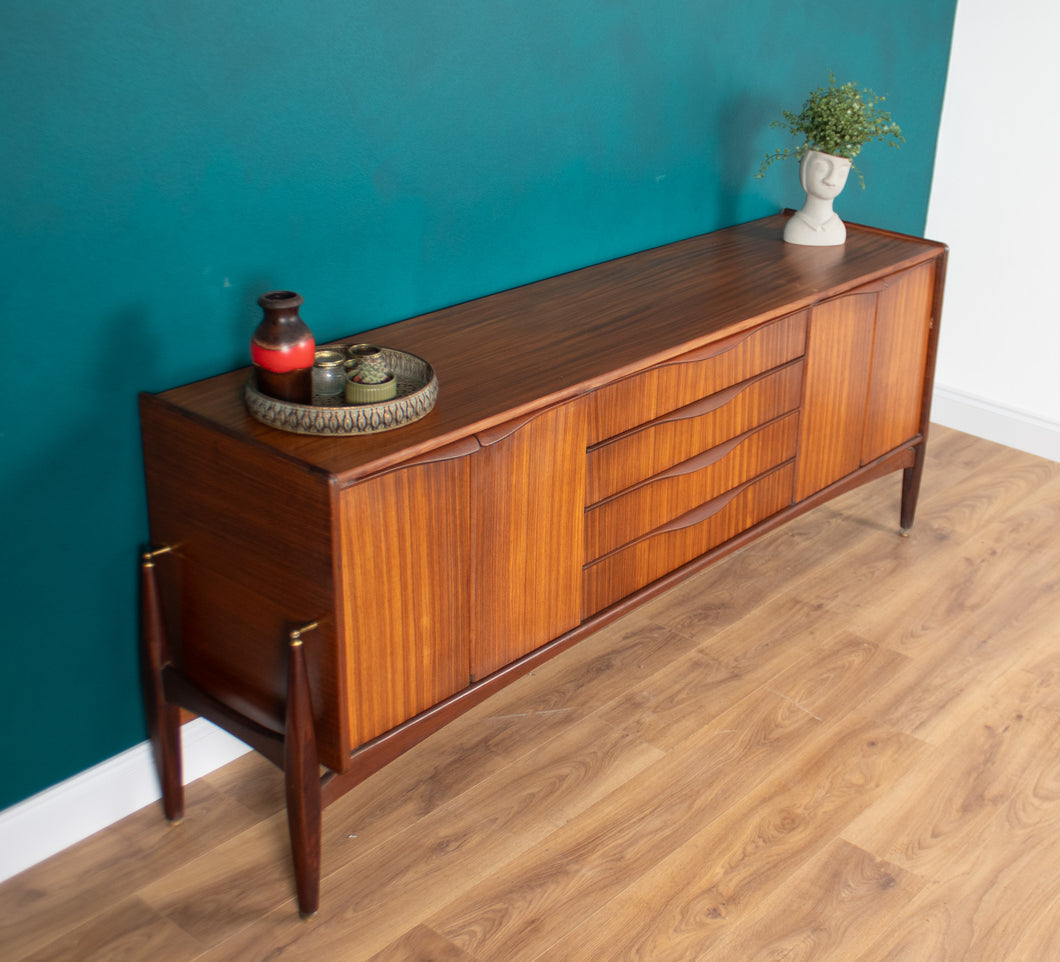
251,561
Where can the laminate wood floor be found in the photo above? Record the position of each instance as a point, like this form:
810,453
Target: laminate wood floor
837,744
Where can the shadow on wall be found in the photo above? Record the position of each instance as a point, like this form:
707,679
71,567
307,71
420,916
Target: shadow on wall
740,125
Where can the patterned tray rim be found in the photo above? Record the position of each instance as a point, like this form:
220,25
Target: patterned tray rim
352,419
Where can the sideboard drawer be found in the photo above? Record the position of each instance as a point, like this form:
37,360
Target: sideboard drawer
651,394
691,430
622,572
633,513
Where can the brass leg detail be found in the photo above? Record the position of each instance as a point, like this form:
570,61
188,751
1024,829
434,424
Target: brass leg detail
163,719
302,779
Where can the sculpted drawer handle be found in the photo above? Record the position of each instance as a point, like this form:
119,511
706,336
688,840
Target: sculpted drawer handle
693,410
450,452
687,520
458,449
712,507
715,348
714,454
691,466
698,408
703,512
710,403
499,432
707,458
719,400
731,343
714,401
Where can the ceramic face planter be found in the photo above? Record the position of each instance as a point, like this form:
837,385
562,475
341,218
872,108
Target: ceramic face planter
823,177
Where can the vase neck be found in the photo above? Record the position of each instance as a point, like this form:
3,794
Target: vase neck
281,303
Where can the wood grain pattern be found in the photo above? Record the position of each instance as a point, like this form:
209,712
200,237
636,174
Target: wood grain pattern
711,885
43,905
573,771
622,572
436,573
838,362
667,387
865,373
658,445
844,895
236,516
727,772
899,354
406,548
521,909
527,537
422,943
128,930
618,520
612,319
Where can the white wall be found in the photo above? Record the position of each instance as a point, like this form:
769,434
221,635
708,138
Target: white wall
995,200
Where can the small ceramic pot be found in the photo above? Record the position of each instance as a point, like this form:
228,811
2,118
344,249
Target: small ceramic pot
358,392
371,362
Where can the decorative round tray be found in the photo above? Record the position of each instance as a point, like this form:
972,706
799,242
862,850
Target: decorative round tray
417,391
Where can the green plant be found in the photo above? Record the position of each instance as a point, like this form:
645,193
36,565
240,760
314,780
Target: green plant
838,119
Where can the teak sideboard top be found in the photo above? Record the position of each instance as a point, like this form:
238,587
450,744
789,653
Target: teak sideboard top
520,350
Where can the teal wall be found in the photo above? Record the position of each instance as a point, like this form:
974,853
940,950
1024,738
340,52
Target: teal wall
164,163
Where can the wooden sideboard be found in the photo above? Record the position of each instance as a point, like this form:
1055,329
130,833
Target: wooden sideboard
598,436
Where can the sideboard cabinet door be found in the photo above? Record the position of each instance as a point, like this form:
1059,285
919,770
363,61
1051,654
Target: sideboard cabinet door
528,534
899,359
405,542
865,362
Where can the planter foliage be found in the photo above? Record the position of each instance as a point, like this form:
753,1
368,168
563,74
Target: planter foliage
838,119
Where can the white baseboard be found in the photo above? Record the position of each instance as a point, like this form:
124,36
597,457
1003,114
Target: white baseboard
47,823
996,422
56,818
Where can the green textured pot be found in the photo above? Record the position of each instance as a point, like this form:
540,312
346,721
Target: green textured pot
358,393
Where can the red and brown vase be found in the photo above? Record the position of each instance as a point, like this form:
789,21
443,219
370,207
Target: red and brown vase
282,349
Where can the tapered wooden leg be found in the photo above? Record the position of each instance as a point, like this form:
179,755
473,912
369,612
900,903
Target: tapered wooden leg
911,488
302,778
163,719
